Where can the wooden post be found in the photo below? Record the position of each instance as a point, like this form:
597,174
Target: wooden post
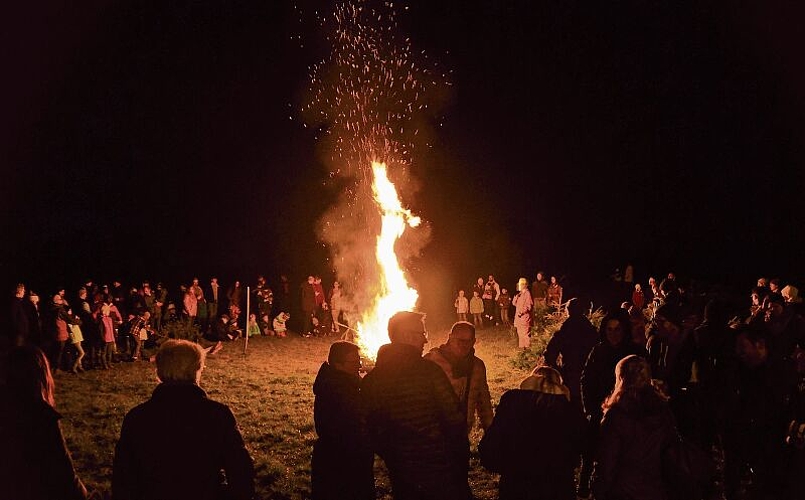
246,330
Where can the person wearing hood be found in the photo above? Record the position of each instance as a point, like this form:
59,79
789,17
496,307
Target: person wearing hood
342,464
535,439
466,372
414,418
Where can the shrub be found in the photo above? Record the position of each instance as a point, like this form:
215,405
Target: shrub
180,330
544,325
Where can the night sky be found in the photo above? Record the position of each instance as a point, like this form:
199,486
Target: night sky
163,140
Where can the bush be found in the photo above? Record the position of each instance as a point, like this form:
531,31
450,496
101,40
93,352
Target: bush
544,325
180,330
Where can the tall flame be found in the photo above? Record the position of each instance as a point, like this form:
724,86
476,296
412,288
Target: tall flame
394,294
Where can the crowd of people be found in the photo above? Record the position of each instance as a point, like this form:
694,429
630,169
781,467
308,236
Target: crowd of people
99,325
613,412
641,407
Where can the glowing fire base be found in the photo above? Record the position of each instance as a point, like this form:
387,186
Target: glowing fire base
394,293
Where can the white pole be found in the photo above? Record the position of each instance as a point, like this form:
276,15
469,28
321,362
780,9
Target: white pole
246,331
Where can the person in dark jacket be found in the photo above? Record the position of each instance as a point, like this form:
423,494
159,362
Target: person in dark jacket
535,440
758,409
342,458
574,341
36,462
414,418
638,427
20,327
177,444
598,380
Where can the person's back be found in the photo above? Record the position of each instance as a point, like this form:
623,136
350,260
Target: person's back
415,422
535,440
574,340
176,444
37,464
637,428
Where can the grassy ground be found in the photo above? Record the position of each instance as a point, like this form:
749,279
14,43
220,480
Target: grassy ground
270,392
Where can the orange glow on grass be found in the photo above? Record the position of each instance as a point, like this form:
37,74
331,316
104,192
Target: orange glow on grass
394,293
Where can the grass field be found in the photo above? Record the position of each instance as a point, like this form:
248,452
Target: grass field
269,389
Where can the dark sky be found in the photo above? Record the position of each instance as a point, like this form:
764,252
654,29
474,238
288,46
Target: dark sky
154,139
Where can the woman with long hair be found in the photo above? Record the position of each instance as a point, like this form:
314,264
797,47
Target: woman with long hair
636,430
37,464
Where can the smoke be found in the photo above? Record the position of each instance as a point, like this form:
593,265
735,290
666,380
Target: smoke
371,99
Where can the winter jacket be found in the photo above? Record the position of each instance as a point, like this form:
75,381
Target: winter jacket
36,462
574,340
598,377
416,425
476,305
632,442
342,458
190,303
534,443
477,399
176,444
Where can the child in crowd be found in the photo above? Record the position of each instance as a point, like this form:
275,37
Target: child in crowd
107,326
265,325
477,309
279,324
504,303
76,337
462,306
252,328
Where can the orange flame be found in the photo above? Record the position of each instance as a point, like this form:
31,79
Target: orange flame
394,293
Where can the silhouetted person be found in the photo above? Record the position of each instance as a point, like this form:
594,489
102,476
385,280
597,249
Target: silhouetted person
176,444
414,419
342,459
535,440
20,327
36,462
574,340
636,430
598,380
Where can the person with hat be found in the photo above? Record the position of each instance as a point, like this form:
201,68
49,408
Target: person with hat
535,439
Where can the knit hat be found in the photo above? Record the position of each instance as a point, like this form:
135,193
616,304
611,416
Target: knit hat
546,380
670,313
